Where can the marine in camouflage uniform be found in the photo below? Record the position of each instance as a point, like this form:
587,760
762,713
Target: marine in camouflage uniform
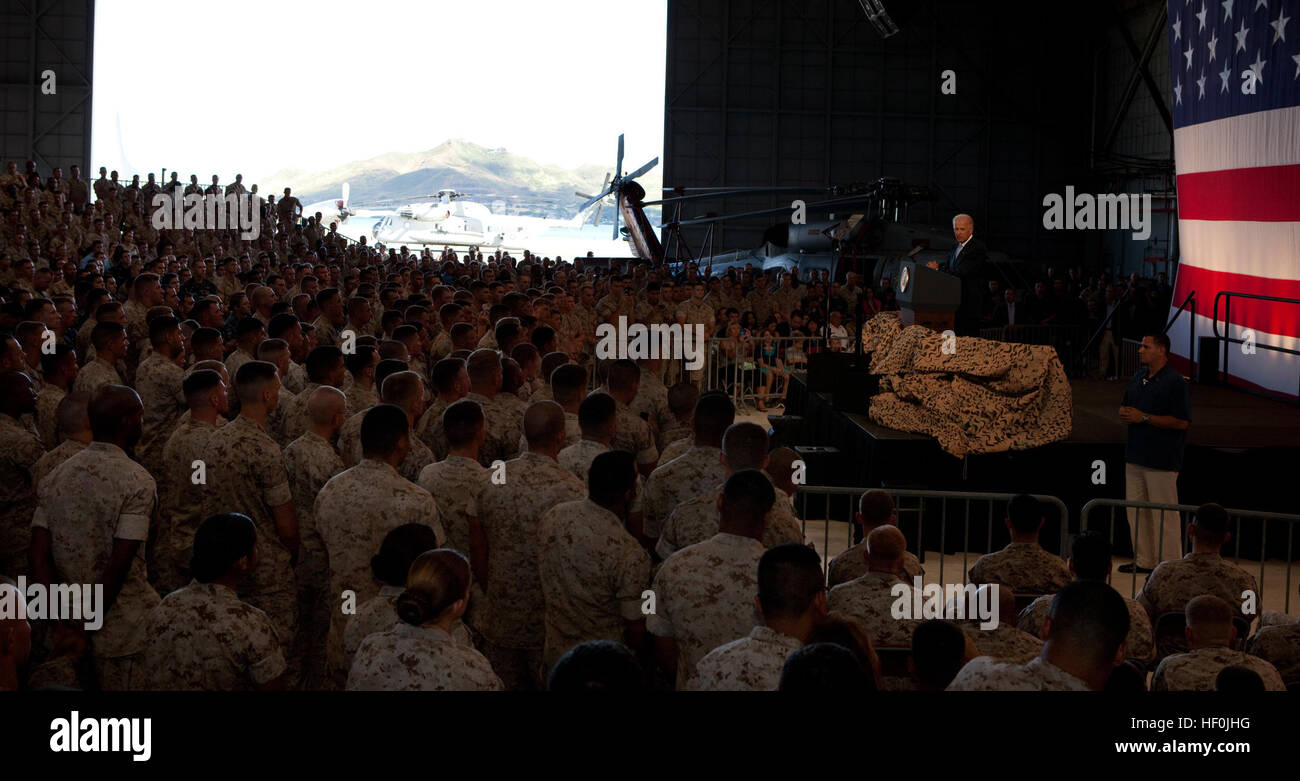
19,452
353,513
379,615
704,598
1024,567
415,658
180,502
752,663
458,484
697,519
592,574
95,497
203,638
514,625
870,599
1141,642
1197,670
852,563
1280,647
986,674
310,462
1004,642
158,381
698,470
246,475
501,430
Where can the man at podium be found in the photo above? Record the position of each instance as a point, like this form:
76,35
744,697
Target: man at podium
967,262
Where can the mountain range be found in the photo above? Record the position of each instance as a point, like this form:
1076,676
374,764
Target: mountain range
485,174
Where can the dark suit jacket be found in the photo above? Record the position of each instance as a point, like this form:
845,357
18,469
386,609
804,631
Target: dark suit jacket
970,267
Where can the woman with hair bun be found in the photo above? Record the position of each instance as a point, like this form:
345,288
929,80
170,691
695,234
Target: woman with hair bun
419,654
398,552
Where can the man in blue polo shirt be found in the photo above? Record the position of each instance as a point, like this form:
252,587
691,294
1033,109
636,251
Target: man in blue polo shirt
1157,409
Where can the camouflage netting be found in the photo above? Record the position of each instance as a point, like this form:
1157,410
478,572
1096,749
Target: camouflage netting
986,397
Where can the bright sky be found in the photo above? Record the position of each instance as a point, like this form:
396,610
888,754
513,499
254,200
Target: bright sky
256,86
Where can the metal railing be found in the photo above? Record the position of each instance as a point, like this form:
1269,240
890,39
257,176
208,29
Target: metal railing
1227,296
756,368
826,496
1184,512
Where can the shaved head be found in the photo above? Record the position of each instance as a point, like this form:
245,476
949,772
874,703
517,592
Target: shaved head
116,415
324,404
543,424
73,413
885,547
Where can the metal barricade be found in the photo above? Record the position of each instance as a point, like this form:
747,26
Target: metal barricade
1187,510
756,368
809,495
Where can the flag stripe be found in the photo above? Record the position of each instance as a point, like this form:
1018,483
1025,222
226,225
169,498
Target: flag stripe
1251,248
1268,193
1246,141
1264,370
1268,316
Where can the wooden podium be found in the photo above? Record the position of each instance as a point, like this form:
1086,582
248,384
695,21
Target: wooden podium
927,297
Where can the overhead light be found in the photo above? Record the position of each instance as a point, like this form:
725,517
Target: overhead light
879,17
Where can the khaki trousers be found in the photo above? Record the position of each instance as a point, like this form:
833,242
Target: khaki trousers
1157,534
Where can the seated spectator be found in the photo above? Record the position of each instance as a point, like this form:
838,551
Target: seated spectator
792,601
419,653
1083,642
870,597
1022,565
1090,559
1203,571
875,509
939,650
824,668
1004,641
1210,634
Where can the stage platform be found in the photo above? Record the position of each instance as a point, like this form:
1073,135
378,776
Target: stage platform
1243,451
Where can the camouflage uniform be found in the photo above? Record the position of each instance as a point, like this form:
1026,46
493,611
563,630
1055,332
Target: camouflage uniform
1174,583
294,421
1141,643
677,448
180,503
752,663
158,381
609,308
704,597
514,624
245,471
1280,647
93,498
457,483
429,428
275,419
652,398
697,519
634,435
987,674
870,599
237,359
592,575
310,462
852,564
501,430
698,470
19,452
327,334
414,658
379,615
52,459
441,347
1023,567
47,421
353,512
417,457
295,379
95,374
1196,670
203,638
360,398
1004,642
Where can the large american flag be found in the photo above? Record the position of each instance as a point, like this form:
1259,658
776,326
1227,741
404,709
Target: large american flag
1238,168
